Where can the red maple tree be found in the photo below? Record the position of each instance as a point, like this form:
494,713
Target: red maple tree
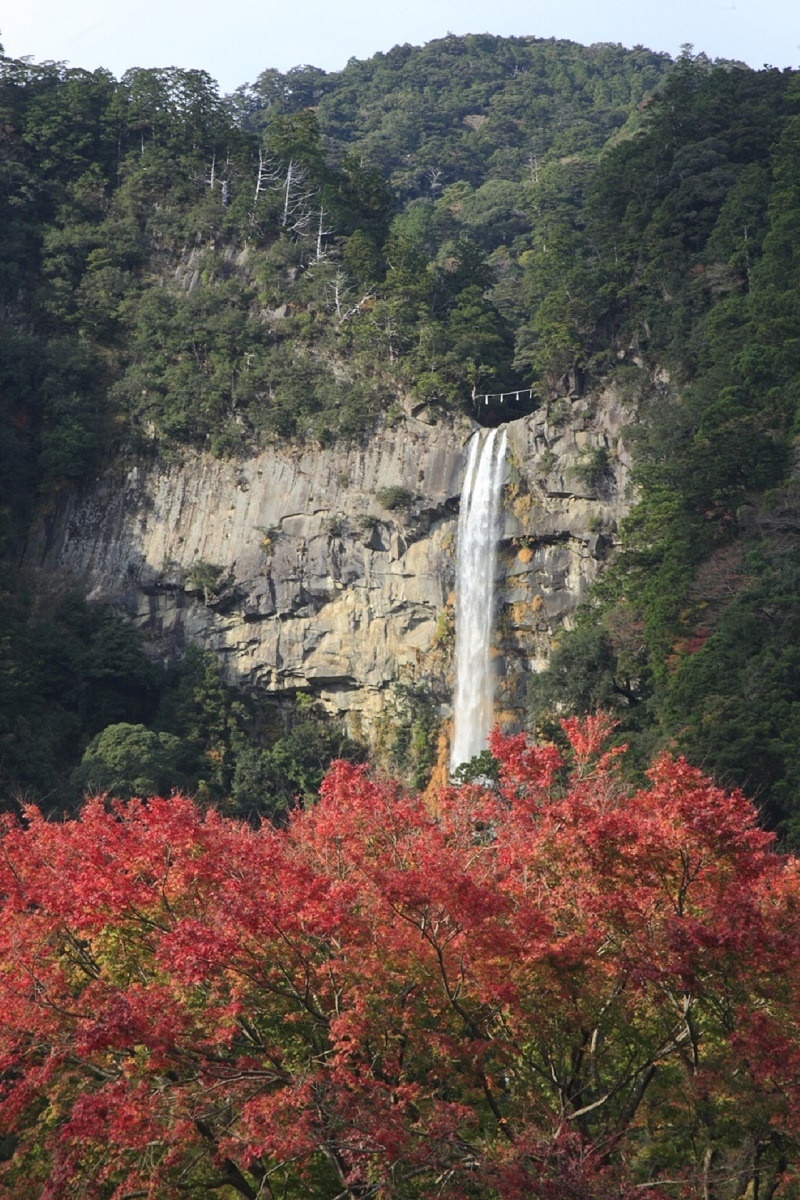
549,988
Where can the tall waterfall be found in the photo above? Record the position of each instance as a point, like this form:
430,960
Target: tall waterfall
475,571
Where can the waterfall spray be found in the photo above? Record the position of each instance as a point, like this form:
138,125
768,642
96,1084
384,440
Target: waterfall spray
478,524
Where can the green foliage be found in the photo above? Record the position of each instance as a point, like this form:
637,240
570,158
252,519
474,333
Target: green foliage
466,107
205,578
394,497
245,754
407,735
129,256
131,760
580,675
483,769
593,468
270,782
66,672
335,525
734,699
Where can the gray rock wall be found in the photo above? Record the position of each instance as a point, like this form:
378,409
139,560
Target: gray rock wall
333,569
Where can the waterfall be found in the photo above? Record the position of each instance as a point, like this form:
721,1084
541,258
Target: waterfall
478,522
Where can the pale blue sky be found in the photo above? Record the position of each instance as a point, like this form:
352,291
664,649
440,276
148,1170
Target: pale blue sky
236,39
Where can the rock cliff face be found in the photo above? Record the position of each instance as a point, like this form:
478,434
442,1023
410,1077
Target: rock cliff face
332,570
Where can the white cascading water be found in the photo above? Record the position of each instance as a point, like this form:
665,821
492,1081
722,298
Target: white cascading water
478,529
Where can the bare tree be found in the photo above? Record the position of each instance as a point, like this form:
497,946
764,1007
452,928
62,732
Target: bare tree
434,178
224,184
297,199
267,177
342,297
322,233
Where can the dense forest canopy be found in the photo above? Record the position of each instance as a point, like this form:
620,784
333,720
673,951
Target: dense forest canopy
468,109
306,256
189,269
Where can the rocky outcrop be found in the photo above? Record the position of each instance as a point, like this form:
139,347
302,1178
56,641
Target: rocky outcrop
332,570
567,491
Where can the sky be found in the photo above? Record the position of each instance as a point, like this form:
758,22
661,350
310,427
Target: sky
234,40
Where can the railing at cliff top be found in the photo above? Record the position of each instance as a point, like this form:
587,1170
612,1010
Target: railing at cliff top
499,397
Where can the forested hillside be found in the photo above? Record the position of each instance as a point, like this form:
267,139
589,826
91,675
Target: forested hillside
688,251
179,268
302,259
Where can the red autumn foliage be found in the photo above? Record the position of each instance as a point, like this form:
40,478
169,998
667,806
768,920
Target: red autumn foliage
549,989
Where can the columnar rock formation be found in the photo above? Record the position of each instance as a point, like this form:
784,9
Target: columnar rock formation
332,570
